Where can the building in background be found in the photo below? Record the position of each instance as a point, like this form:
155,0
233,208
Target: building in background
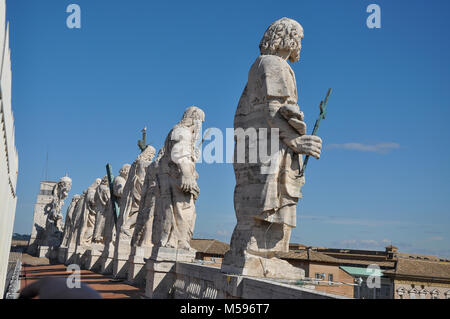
41,209
8,152
420,277
322,272
356,273
209,250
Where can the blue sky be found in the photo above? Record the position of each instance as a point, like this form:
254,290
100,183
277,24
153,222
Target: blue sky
84,95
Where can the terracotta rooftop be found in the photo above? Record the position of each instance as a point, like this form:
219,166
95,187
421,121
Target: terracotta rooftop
307,254
210,246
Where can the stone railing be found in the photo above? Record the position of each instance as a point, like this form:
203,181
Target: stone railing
197,281
13,280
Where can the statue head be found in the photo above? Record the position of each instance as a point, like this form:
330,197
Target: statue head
76,197
125,170
104,180
283,38
148,154
193,117
192,114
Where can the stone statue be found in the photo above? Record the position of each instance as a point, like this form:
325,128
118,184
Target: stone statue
69,226
176,177
142,235
77,217
129,208
53,227
90,214
120,181
104,211
265,200
129,204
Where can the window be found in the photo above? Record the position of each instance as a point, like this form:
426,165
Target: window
320,276
423,294
413,293
435,294
401,293
330,277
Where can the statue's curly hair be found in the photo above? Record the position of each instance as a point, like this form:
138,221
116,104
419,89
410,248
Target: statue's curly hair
283,34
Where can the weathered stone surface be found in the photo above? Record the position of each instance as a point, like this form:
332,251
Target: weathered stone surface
260,266
195,281
267,189
166,215
160,269
69,226
89,216
174,217
51,235
104,223
129,208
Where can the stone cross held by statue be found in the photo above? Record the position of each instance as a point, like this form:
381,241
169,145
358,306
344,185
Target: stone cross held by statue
142,143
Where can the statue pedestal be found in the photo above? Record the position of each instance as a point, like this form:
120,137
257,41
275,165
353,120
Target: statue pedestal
106,260
136,263
91,257
160,268
121,259
247,264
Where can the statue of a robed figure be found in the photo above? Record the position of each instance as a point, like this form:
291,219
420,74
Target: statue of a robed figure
268,188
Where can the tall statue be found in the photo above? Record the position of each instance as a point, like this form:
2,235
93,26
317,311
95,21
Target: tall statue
69,226
131,198
54,227
90,214
267,192
174,217
77,217
129,208
104,211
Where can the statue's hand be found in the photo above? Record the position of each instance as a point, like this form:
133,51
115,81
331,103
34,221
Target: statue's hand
309,145
189,185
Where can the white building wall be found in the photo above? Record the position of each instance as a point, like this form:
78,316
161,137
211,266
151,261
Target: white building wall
8,152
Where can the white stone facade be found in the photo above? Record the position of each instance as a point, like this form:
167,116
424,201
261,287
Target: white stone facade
8,152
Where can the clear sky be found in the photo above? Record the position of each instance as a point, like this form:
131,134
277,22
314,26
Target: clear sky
84,95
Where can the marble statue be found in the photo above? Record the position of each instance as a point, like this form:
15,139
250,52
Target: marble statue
77,217
90,215
69,226
54,227
103,222
131,198
120,181
129,208
142,234
174,216
167,212
265,201
141,240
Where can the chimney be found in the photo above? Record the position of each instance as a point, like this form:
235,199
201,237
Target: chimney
391,252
